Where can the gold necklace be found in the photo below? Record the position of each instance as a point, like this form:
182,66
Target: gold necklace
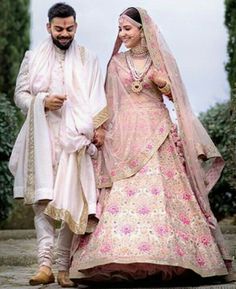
137,85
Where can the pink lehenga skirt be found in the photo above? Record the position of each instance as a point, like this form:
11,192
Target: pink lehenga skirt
151,224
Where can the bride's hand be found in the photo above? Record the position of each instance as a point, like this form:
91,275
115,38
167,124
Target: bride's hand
157,76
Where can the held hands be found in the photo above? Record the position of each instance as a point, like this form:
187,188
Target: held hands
54,102
99,136
157,76
161,80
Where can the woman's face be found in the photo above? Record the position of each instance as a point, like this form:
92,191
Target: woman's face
129,34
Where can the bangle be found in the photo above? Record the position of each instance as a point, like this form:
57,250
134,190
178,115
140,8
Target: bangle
165,89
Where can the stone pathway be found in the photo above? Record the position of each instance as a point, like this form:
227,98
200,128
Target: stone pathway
18,261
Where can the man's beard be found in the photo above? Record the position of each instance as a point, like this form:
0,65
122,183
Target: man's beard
60,45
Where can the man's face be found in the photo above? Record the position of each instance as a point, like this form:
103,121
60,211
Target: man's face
62,31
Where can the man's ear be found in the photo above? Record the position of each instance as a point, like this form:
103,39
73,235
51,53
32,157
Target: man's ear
49,27
76,26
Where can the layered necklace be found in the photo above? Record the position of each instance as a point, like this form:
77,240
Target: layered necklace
138,76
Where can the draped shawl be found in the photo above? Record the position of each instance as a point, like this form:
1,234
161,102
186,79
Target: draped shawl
84,110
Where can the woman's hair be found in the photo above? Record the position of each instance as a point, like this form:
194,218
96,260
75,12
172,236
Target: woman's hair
61,10
133,13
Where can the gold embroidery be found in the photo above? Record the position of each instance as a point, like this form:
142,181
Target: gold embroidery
128,171
100,118
30,183
84,215
65,215
78,227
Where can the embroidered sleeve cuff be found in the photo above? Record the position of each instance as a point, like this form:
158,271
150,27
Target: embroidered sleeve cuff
165,89
100,118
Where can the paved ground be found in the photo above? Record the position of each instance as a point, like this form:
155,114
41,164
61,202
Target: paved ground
18,260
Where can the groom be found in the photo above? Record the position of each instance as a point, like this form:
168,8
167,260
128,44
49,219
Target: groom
60,88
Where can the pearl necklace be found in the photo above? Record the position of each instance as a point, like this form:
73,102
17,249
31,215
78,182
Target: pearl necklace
137,76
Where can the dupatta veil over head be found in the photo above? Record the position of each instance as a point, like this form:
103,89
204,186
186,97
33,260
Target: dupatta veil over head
203,161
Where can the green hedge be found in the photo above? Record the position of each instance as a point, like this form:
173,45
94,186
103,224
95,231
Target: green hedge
8,131
218,122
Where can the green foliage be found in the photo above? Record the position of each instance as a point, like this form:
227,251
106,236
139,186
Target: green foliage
14,40
217,121
8,130
230,22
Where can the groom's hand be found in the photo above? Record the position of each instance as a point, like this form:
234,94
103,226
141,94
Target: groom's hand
54,102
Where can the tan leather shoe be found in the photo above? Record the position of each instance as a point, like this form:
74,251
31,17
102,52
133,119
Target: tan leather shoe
64,281
231,277
42,278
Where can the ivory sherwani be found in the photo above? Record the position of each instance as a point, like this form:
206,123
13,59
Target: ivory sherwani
50,160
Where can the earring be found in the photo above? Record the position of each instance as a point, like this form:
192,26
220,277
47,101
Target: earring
143,40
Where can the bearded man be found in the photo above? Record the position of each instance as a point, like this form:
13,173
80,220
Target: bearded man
60,89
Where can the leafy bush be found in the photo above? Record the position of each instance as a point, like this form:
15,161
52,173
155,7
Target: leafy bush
14,41
8,130
219,124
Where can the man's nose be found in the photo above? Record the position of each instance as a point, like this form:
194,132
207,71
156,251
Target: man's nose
64,33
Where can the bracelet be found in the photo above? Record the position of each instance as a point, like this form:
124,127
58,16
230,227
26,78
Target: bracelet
165,89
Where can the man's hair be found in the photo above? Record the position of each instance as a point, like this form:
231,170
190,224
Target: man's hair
61,10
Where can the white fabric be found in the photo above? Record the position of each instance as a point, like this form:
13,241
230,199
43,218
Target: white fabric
45,229
42,157
60,134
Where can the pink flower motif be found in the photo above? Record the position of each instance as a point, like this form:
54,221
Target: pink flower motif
126,229
146,86
183,236
179,251
187,196
143,210
168,195
170,149
130,192
103,179
205,240
200,260
161,130
144,247
127,81
144,170
97,231
105,248
147,19
169,174
155,191
133,163
184,219
113,209
149,146
161,230
153,44
113,173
